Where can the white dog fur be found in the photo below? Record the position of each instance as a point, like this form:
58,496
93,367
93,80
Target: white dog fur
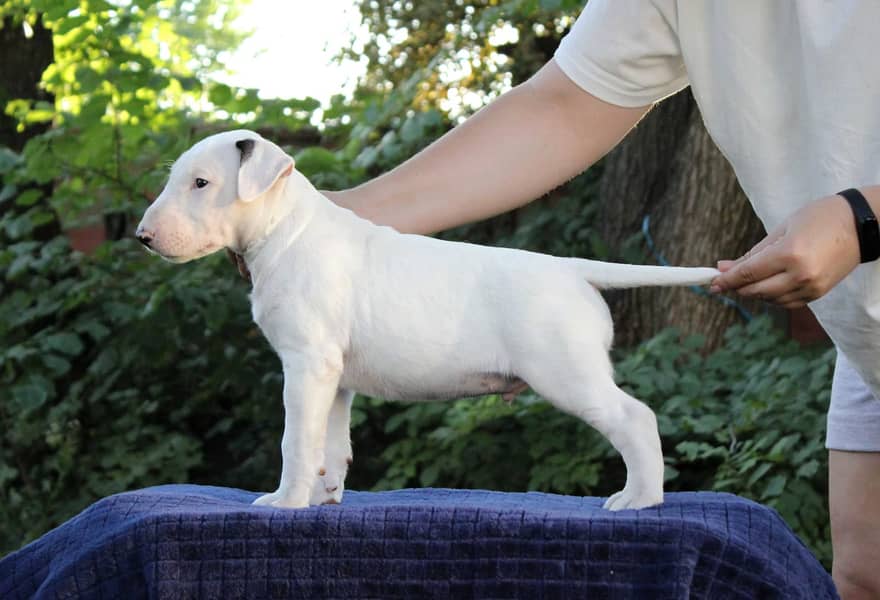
352,306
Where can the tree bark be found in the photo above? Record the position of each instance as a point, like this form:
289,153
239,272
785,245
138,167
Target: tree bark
668,168
21,69
24,60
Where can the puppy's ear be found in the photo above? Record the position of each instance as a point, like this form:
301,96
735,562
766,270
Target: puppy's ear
262,164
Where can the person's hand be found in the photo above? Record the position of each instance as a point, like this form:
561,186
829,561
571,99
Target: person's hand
354,199
337,197
799,261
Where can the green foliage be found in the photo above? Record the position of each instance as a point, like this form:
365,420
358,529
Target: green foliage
464,52
747,419
132,88
119,371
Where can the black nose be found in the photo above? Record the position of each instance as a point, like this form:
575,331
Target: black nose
143,237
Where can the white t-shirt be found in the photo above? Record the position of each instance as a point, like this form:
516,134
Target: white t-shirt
789,91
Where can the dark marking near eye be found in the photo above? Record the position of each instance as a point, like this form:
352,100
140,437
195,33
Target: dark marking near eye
200,183
246,147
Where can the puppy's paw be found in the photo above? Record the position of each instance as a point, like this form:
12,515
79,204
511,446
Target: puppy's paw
329,485
267,499
326,495
629,499
280,499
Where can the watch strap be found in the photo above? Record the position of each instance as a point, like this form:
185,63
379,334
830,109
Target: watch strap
866,224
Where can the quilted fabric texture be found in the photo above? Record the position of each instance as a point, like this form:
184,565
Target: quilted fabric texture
184,541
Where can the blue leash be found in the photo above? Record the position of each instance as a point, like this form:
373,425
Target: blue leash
658,256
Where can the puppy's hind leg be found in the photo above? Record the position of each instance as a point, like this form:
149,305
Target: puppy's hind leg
591,394
634,434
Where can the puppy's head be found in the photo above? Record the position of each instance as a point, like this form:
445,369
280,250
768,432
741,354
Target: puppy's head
213,191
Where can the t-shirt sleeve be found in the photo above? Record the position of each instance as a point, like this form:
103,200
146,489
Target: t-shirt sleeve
625,52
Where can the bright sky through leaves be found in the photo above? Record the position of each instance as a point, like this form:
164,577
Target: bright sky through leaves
291,51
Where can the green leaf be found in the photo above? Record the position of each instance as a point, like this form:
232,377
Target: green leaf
29,197
412,129
708,423
429,475
8,159
758,473
782,446
808,469
19,226
56,9
316,160
774,486
32,395
66,343
220,94
7,474
96,330
303,104
70,23
19,352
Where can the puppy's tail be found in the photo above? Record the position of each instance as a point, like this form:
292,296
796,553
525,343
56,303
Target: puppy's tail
615,275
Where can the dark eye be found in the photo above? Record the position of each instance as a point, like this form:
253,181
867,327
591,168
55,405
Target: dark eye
200,183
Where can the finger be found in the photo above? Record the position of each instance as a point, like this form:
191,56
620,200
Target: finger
725,265
761,265
719,284
770,239
770,289
792,303
793,300
800,297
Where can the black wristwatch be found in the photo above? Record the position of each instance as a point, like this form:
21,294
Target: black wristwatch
866,224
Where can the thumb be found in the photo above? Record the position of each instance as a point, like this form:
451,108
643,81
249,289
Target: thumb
725,265
770,239
748,268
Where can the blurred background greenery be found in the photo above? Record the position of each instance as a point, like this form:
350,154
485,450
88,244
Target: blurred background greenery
118,370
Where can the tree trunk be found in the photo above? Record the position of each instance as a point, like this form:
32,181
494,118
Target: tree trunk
21,69
24,60
669,169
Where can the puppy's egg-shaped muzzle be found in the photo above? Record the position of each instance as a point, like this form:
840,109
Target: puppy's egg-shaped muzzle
161,232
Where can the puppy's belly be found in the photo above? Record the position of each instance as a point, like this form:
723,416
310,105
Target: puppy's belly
427,388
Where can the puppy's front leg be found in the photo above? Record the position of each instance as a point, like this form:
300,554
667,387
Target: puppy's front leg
310,384
330,484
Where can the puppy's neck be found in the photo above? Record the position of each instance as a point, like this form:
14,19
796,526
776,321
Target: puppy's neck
277,224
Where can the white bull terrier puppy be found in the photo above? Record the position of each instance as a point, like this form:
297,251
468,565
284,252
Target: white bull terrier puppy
352,306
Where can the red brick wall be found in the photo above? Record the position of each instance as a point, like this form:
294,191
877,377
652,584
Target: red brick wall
86,239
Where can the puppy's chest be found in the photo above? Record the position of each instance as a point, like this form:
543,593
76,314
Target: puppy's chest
284,320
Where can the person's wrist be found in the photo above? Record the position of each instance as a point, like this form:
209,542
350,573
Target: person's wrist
338,197
353,199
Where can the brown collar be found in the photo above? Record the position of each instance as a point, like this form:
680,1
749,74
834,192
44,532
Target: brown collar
238,261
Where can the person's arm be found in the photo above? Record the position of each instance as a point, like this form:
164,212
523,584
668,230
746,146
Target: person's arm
802,259
530,140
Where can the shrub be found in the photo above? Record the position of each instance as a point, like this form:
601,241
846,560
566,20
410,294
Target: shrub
119,371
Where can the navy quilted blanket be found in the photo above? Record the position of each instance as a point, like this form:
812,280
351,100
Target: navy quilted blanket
185,541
